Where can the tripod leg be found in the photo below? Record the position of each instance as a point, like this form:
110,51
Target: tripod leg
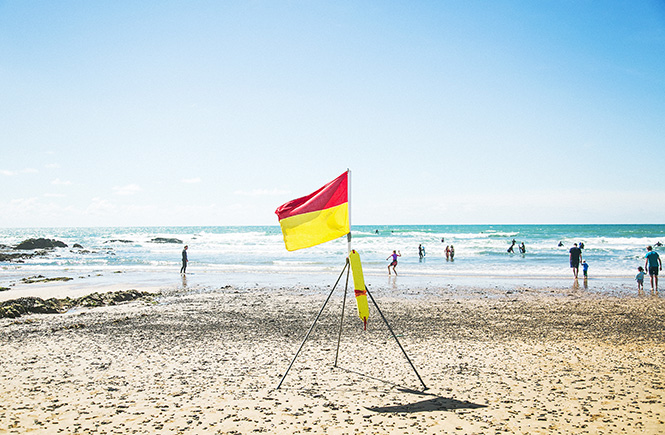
311,327
395,337
341,321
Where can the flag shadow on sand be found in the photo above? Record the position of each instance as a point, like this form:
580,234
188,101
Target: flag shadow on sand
435,404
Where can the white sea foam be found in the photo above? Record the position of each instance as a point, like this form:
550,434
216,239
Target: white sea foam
612,251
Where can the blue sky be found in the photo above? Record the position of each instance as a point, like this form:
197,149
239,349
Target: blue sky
131,113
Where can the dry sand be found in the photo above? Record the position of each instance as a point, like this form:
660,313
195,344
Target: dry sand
531,361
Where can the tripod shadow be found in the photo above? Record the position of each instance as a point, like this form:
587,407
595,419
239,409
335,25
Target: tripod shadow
435,403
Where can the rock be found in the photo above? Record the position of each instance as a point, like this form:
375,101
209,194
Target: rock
122,296
31,305
91,300
18,307
118,241
76,245
16,257
4,289
42,278
39,244
165,240
9,311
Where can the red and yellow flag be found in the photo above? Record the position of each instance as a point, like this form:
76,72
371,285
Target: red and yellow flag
318,217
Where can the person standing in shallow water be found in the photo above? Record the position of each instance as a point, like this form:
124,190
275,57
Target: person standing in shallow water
393,263
575,258
653,265
640,280
183,269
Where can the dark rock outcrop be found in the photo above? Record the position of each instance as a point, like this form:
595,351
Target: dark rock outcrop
118,241
16,257
31,305
42,278
39,244
165,240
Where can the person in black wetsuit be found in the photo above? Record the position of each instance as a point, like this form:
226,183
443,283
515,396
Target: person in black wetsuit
511,249
183,269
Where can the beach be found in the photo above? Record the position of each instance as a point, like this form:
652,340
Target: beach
186,184
208,360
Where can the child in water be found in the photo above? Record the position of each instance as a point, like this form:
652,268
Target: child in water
640,279
393,263
585,267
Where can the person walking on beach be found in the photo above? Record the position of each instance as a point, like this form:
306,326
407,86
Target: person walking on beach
447,253
575,258
640,279
452,252
183,269
393,263
653,265
585,268
421,252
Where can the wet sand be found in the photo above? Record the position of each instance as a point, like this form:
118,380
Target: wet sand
523,361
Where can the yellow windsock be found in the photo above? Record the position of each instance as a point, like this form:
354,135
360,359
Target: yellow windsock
359,287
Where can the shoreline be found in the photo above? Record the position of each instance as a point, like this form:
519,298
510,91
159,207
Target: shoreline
208,361
83,283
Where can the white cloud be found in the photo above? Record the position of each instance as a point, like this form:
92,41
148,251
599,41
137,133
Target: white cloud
191,180
261,192
23,203
59,182
55,195
129,189
99,206
52,166
22,171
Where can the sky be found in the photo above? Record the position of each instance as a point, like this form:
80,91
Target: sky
161,113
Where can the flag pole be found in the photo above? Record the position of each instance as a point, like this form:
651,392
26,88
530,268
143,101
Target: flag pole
348,241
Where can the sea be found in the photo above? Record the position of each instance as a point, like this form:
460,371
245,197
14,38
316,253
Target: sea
255,255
